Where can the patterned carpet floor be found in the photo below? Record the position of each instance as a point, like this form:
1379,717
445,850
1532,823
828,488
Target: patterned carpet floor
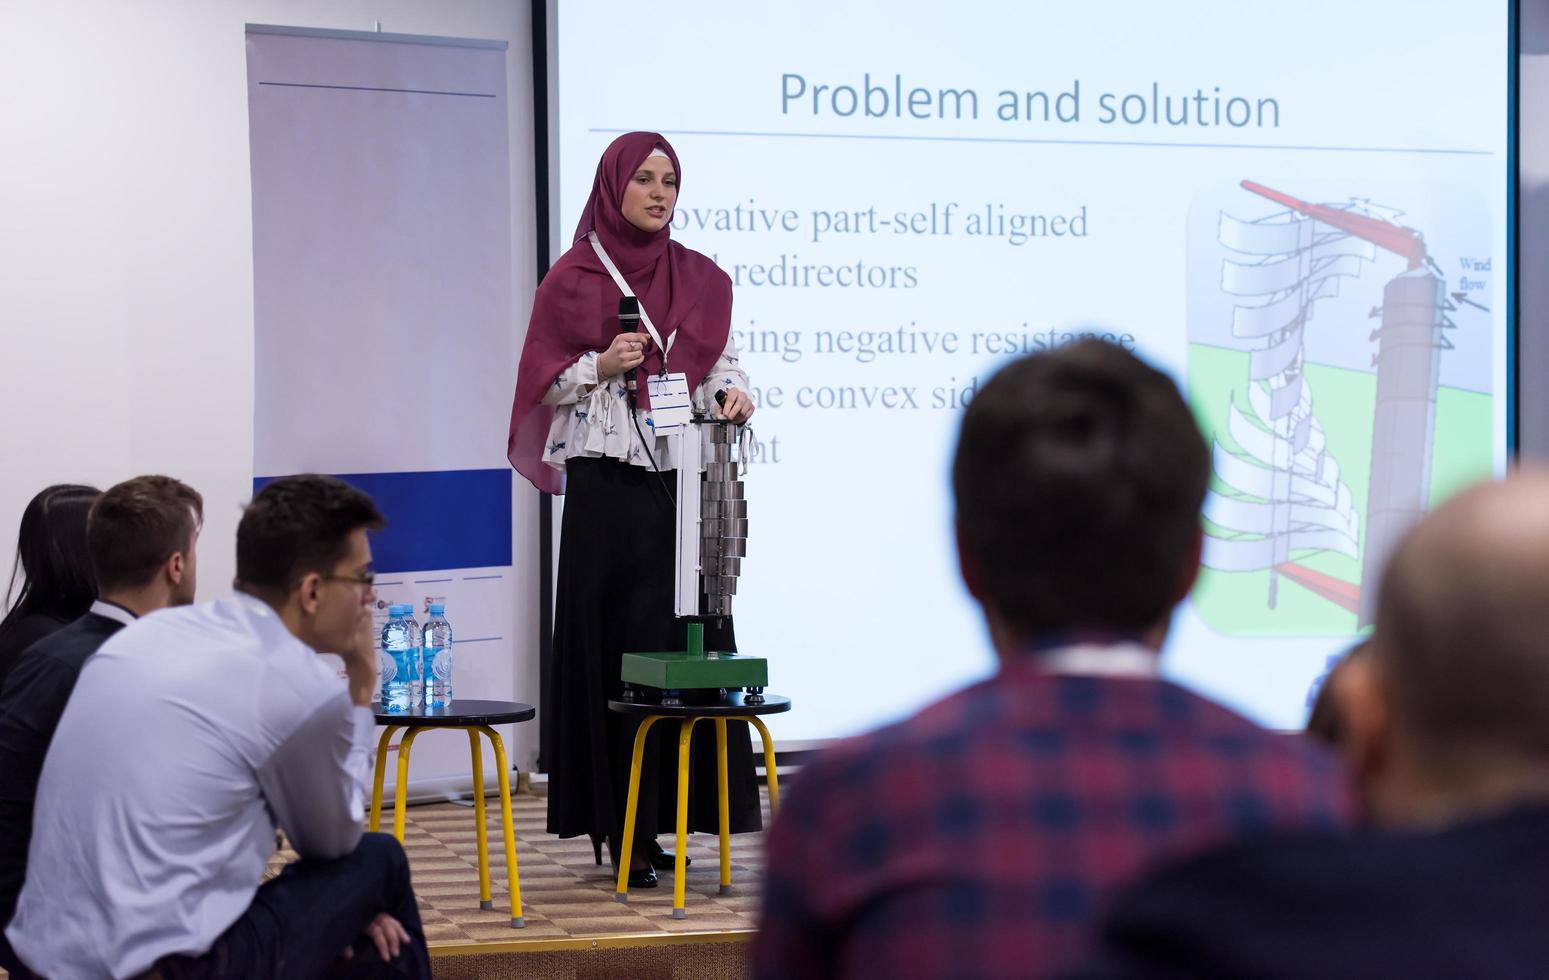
564,894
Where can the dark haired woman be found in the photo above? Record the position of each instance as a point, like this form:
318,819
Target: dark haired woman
53,567
573,431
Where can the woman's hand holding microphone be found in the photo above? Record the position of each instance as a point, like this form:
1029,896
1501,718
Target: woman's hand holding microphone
626,353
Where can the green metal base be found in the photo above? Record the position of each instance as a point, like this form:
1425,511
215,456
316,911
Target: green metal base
694,668
687,671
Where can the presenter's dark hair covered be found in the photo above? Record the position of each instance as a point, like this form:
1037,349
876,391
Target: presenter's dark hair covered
1078,480
298,525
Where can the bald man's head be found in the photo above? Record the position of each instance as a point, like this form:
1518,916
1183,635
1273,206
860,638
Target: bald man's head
1462,637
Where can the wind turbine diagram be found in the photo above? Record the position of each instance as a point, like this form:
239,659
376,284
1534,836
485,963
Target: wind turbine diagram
1281,497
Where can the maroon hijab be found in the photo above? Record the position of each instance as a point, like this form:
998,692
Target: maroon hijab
577,304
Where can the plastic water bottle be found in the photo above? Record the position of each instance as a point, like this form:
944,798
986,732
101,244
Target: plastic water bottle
438,658
397,661
416,671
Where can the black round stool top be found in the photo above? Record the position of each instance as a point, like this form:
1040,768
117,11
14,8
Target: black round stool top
732,704
460,712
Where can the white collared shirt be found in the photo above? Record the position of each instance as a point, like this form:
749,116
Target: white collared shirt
113,611
1124,659
189,735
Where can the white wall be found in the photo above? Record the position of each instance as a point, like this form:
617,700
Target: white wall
126,252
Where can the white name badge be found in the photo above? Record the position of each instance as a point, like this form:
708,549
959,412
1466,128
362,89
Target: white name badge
671,404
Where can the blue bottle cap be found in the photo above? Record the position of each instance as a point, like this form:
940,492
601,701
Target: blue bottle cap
398,609
437,608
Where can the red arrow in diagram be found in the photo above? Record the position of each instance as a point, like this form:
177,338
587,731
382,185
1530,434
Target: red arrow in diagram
1397,239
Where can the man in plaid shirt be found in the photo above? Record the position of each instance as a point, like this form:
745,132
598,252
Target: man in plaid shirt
981,837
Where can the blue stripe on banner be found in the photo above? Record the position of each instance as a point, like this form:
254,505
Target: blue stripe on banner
437,520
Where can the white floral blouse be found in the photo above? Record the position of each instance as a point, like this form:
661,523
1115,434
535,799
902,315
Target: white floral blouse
592,416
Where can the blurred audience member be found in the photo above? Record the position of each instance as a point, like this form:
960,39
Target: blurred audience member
1445,724
1325,723
140,536
52,568
980,837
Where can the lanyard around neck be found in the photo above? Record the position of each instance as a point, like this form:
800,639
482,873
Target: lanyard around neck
618,279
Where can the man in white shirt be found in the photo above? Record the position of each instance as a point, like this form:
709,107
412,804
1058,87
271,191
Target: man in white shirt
189,736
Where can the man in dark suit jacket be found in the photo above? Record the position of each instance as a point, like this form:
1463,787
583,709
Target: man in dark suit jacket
141,536
981,837
1447,731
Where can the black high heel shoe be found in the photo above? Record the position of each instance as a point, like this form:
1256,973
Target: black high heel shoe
663,860
644,878
638,877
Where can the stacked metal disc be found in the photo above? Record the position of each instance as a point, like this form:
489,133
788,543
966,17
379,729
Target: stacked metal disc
723,525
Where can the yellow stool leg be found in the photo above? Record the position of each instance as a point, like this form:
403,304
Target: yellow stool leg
725,805
381,773
769,765
630,805
513,878
481,832
401,791
678,873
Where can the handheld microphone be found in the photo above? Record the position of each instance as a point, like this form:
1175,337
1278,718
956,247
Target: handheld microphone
629,322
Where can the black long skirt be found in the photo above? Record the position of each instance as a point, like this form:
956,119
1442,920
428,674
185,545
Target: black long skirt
614,595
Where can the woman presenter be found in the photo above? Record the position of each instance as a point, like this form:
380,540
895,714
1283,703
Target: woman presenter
577,430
